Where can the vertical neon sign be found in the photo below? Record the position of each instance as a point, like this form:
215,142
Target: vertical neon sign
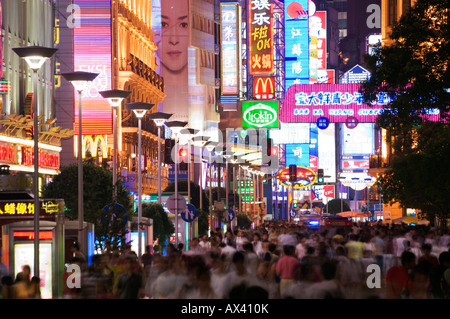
92,53
317,44
260,37
229,60
296,42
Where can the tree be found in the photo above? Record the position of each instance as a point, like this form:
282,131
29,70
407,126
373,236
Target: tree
195,192
334,206
243,222
162,226
413,69
422,179
97,194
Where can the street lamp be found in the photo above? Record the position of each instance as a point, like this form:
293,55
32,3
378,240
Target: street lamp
210,147
79,80
188,133
35,57
200,141
176,127
139,109
115,98
159,118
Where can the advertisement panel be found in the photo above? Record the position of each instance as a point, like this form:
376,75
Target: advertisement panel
297,154
229,48
260,28
359,140
260,114
290,133
317,44
337,102
172,52
296,39
92,53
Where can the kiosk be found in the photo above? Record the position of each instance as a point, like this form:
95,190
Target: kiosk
17,234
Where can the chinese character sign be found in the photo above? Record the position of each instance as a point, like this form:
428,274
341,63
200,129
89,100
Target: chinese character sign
260,36
296,42
229,61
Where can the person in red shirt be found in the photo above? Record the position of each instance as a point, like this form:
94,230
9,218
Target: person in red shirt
398,280
287,267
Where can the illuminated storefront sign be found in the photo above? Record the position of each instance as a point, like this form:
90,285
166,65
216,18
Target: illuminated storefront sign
290,133
296,40
305,177
47,159
24,208
5,87
317,44
260,114
92,53
260,37
297,154
337,102
264,87
229,50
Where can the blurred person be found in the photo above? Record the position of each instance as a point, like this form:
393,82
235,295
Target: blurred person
251,258
355,248
257,243
169,282
218,272
76,251
427,256
238,276
328,287
204,243
35,288
7,289
305,279
349,273
437,285
22,284
147,258
240,240
287,268
266,274
398,277
300,248
129,284
379,246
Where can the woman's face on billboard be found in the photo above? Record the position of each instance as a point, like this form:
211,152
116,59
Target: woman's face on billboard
175,34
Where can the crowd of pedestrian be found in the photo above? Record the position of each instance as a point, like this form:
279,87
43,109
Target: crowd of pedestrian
278,260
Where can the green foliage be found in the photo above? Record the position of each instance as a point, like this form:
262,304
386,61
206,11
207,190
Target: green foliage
97,193
422,179
203,225
195,192
334,206
243,222
162,226
414,67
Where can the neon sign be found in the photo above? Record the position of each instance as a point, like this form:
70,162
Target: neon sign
92,53
337,102
229,56
26,208
305,177
260,114
264,87
261,36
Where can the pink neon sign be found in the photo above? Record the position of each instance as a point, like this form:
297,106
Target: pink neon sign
305,103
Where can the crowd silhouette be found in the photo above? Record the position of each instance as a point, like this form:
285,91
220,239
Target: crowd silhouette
277,260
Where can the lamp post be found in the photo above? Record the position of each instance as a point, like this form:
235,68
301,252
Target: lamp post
139,109
159,118
210,147
200,141
115,98
187,134
35,57
176,127
79,80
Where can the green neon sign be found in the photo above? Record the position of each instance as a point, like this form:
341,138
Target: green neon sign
260,114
